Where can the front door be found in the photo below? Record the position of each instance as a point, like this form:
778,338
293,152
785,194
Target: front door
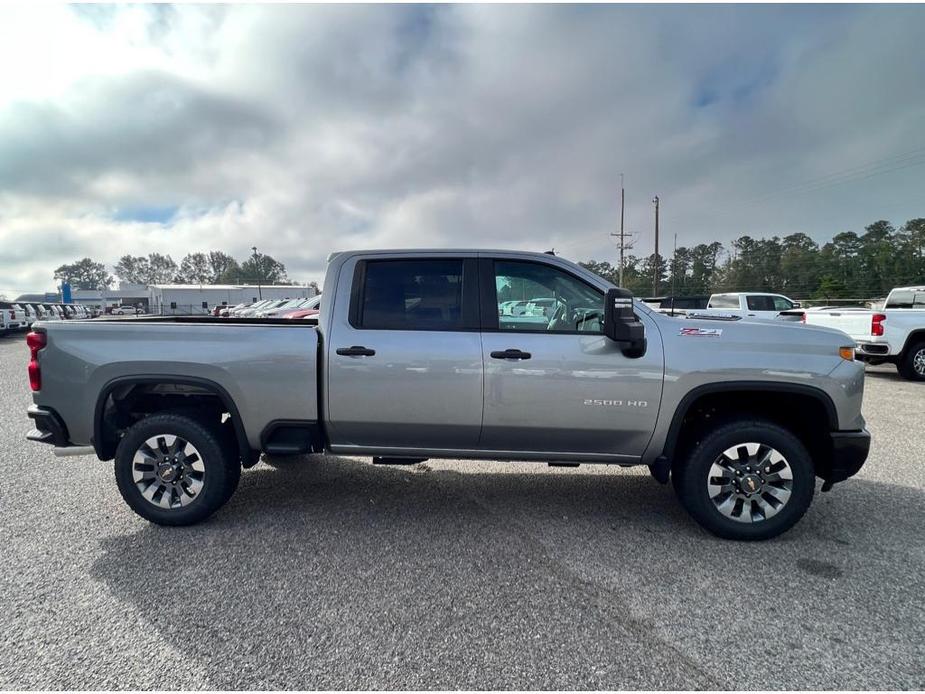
553,382
404,365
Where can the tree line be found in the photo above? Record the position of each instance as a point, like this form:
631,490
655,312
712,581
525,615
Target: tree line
849,266
214,267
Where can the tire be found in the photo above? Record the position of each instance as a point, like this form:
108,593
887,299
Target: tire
761,502
185,493
912,365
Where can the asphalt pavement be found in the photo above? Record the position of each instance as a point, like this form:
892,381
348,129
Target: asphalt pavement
328,572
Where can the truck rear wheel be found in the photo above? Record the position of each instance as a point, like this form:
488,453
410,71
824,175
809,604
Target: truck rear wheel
912,365
174,470
746,480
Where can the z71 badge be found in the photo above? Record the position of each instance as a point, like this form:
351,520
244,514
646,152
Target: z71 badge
701,332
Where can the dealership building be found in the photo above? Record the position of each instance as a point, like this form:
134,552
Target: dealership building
192,299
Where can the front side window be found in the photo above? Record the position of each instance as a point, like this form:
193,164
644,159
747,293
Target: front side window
781,304
424,294
760,303
543,298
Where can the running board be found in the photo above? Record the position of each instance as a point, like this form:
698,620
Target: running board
382,460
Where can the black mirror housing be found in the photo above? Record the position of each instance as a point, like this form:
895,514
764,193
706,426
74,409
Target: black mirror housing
621,324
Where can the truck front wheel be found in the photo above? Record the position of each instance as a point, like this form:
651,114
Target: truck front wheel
912,365
746,480
174,470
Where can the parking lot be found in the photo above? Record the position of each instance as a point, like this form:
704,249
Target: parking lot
329,572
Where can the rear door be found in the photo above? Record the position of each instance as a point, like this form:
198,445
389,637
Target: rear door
404,357
554,385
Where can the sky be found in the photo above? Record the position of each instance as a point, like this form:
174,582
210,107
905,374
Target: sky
309,129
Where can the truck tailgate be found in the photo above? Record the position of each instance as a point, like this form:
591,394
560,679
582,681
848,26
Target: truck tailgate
856,323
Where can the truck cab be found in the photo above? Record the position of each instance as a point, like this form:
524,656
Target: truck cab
751,304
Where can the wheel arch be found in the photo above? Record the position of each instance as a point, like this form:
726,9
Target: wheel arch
105,446
912,339
796,406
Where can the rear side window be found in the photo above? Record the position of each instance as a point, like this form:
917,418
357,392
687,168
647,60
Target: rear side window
905,298
426,294
724,301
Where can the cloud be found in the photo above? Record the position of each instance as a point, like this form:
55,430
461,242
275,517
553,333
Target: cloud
306,129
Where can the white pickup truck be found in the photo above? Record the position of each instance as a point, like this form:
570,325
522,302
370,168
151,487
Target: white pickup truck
894,334
750,305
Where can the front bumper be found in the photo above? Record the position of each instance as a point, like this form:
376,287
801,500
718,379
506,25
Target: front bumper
849,451
49,428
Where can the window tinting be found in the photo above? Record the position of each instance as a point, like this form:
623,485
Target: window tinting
760,303
538,297
905,298
781,304
724,301
412,295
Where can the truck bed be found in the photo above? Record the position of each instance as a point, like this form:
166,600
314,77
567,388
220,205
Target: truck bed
266,368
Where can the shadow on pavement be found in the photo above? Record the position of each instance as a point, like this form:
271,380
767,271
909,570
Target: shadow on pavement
331,573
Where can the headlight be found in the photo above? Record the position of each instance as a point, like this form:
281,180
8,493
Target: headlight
846,353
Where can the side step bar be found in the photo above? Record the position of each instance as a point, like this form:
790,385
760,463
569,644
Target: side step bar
382,460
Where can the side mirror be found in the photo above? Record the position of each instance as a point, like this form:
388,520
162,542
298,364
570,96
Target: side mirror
797,304
620,323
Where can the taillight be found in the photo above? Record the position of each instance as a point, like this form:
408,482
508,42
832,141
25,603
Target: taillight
35,341
803,317
876,324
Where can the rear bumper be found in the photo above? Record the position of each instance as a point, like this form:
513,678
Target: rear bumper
849,451
49,427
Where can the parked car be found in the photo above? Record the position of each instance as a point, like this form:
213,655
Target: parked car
742,416
750,305
302,314
51,313
29,313
40,312
12,316
894,334
253,308
276,311
310,307
269,306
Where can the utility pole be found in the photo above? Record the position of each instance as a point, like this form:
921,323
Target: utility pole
257,265
674,268
622,235
655,277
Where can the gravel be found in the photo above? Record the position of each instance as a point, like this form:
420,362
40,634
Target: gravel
328,572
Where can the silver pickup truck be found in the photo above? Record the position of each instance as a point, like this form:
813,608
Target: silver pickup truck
412,358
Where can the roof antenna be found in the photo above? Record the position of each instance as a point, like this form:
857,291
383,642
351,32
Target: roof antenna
550,252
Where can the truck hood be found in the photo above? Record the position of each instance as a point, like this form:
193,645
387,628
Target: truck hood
790,331
750,349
